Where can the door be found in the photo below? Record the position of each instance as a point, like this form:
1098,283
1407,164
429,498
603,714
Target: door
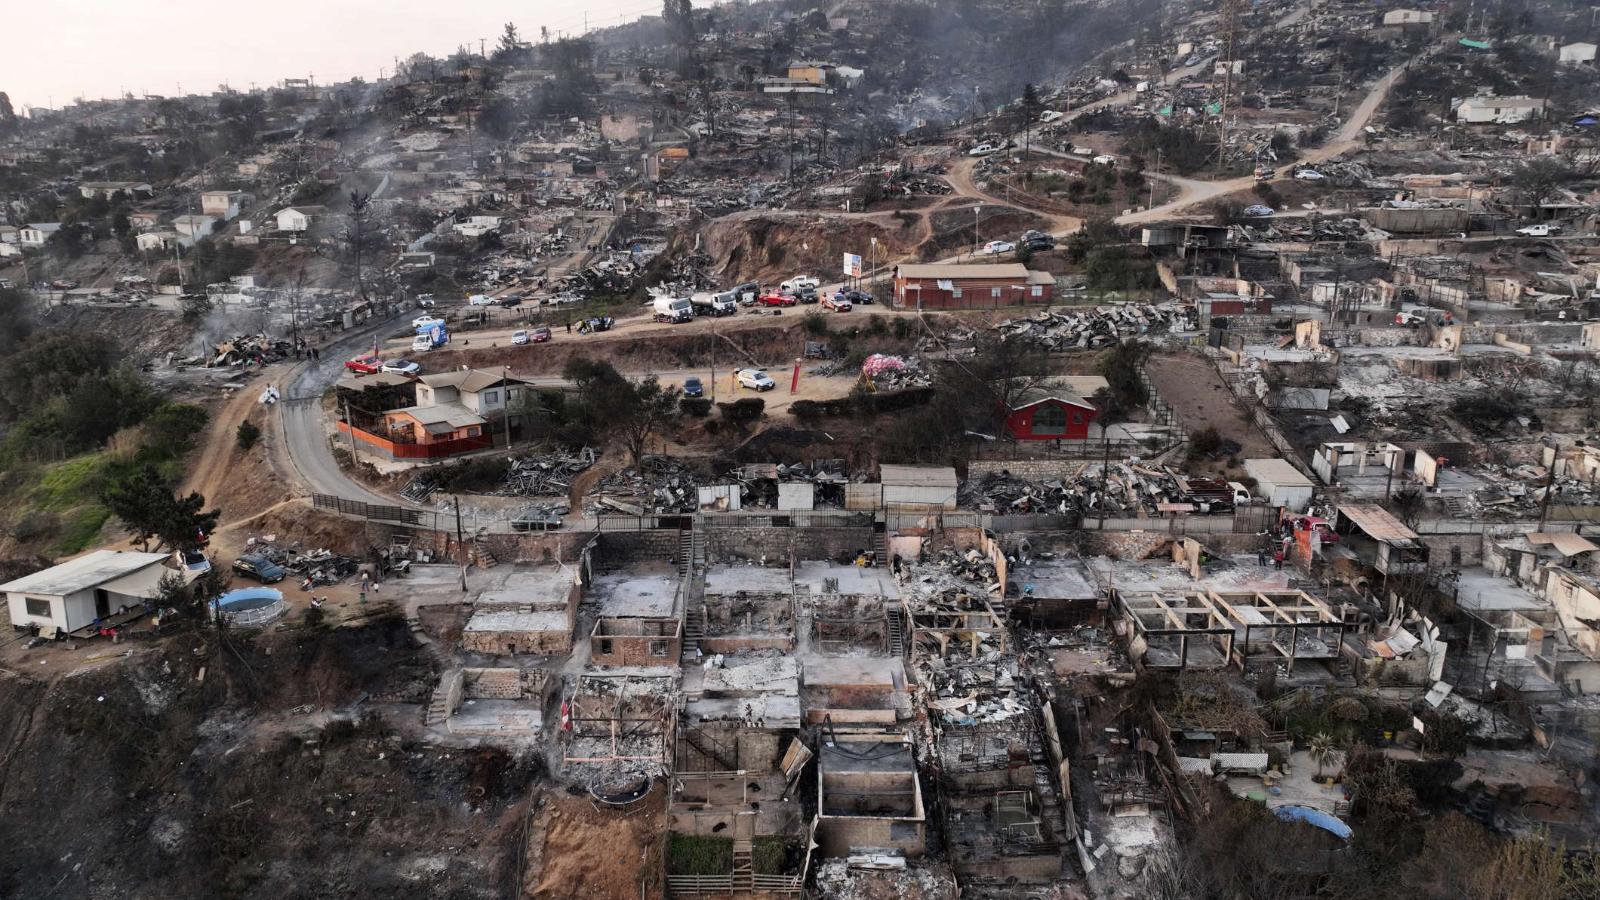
102,604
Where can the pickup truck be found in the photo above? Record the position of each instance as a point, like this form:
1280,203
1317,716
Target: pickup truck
1543,229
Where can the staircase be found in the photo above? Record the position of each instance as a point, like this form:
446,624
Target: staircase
480,554
685,551
897,634
709,750
694,628
880,547
438,707
744,833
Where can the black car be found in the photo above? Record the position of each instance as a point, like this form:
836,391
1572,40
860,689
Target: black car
806,295
260,568
1037,240
693,388
858,297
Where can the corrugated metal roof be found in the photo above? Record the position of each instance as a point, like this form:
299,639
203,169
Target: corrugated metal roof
1565,542
87,571
918,476
989,270
1279,472
1378,523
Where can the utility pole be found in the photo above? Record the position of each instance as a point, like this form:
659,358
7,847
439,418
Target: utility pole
461,542
505,377
976,210
350,428
1230,22
1549,488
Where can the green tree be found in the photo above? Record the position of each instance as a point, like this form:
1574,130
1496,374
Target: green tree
630,411
172,429
247,435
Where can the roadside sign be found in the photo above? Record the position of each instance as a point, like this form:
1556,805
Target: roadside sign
852,265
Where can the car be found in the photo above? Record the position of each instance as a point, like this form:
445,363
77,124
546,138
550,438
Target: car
540,335
800,283
1104,159
260,568
364,365
777,300
63,285
693,388
480,300
512,299
426,321
859,298
561,300
425,301
1258,212
1037,240
1050,115
806,295
401,367
995,248
420,344
1082,151
756,380
837,302
985,149
519,337
1543,229
1311,175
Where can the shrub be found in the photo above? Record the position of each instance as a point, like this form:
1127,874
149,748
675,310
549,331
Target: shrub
816,324
247,435
1205,441
699,407
743,412
902,328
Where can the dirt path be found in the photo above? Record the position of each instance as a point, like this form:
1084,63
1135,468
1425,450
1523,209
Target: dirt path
217,468
1194,390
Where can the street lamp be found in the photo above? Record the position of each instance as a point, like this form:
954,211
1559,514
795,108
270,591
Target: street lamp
975,211
873,287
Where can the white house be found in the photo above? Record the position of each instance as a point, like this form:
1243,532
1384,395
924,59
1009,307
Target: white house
35,234
477,226
1498,110
225,205
152,241
109,189
299,218
73,595
1577,54
192,228
1403,17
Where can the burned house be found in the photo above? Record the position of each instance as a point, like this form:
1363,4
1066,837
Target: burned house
1204,628
639,622
533,613
868,795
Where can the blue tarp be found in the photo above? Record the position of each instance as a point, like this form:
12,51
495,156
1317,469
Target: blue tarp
1314,817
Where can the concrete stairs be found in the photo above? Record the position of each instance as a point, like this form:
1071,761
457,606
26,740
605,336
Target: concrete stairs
685,551
694,628
438,708
897,634
880,548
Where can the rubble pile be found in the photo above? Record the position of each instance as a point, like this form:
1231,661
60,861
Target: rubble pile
895,372
659,484
1100,326
546,475
317,567
250,348
1003,492
1516,491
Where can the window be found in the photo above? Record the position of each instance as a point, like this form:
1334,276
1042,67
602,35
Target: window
955,293
474,431
1038,290
1049,420
995,293
40,608
658,648
490,398
605,646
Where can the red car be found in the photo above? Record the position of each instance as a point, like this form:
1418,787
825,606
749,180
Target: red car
364,365
777,300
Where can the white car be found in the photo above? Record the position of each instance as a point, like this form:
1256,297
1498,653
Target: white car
401,367
1310,175
1050,115
985,149
1544,229
1082,151
995,248
480,300
426,321
1258,212
1104,159
421,344
756,380
519,337
425,301
800,283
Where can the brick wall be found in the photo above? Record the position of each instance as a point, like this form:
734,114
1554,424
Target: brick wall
493,684
1439,547
620,549
1031,469
509,643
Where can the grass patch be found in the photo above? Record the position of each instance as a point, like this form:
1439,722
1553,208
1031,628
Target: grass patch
82,528
768,855
692,854
64,485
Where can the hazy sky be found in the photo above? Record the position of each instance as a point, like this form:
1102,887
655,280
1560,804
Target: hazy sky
62,49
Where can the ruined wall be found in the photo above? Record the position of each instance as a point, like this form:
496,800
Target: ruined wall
503,684
620,549
1030,469
511,643
769,543
1441,547
636,642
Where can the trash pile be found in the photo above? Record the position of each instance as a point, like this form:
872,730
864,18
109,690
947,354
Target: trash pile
1100,326
249,348
1518,491
658,485
878,875
1120,488
895,372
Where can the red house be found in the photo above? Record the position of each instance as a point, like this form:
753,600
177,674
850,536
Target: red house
1054,411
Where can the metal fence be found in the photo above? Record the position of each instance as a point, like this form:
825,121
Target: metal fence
375,512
